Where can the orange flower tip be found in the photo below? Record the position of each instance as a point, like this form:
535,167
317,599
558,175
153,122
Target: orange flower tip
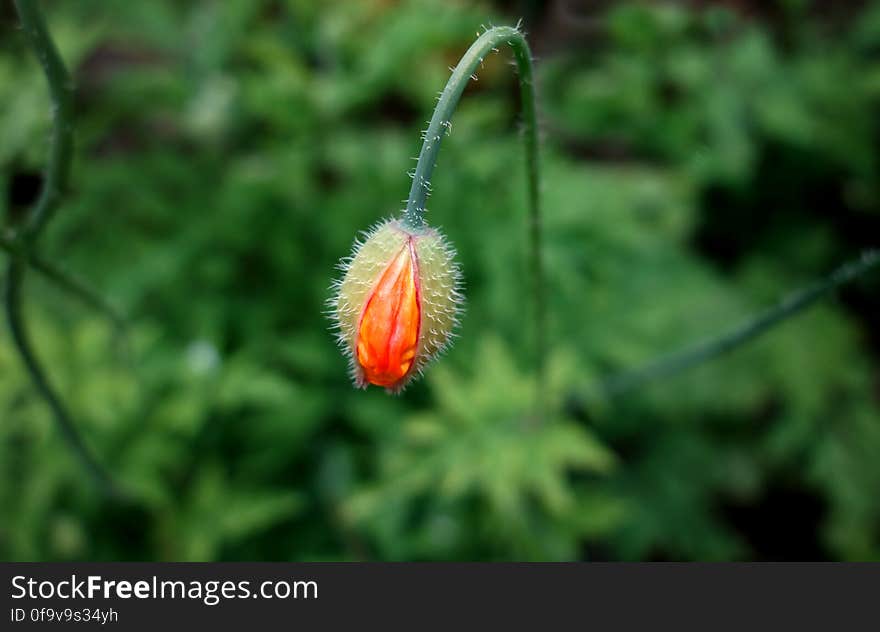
389,327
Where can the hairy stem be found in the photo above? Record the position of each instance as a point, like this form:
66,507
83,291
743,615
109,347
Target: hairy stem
696,354
440,125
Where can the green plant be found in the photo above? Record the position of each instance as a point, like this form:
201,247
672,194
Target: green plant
226,150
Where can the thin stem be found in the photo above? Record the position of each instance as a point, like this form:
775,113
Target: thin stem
65,281
696,354
440,125
61,95
14,281
54,185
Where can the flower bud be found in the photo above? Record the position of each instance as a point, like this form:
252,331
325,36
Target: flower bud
397,303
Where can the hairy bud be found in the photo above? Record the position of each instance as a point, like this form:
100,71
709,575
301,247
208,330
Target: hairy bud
397,303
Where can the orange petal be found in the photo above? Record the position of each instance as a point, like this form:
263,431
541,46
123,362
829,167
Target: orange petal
389,327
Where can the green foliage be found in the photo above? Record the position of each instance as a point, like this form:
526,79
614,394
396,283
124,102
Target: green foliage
697,165
478,471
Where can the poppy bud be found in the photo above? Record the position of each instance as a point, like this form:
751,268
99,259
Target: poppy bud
397,303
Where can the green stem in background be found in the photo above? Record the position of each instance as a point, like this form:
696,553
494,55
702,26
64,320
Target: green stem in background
21,247
694,355
14,280
61,94
440,125
65,281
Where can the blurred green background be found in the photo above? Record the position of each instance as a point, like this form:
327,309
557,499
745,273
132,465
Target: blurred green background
700,160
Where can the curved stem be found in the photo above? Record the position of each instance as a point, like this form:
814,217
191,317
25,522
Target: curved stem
65,281
691,356
14,280
440,125
61,94
21,248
